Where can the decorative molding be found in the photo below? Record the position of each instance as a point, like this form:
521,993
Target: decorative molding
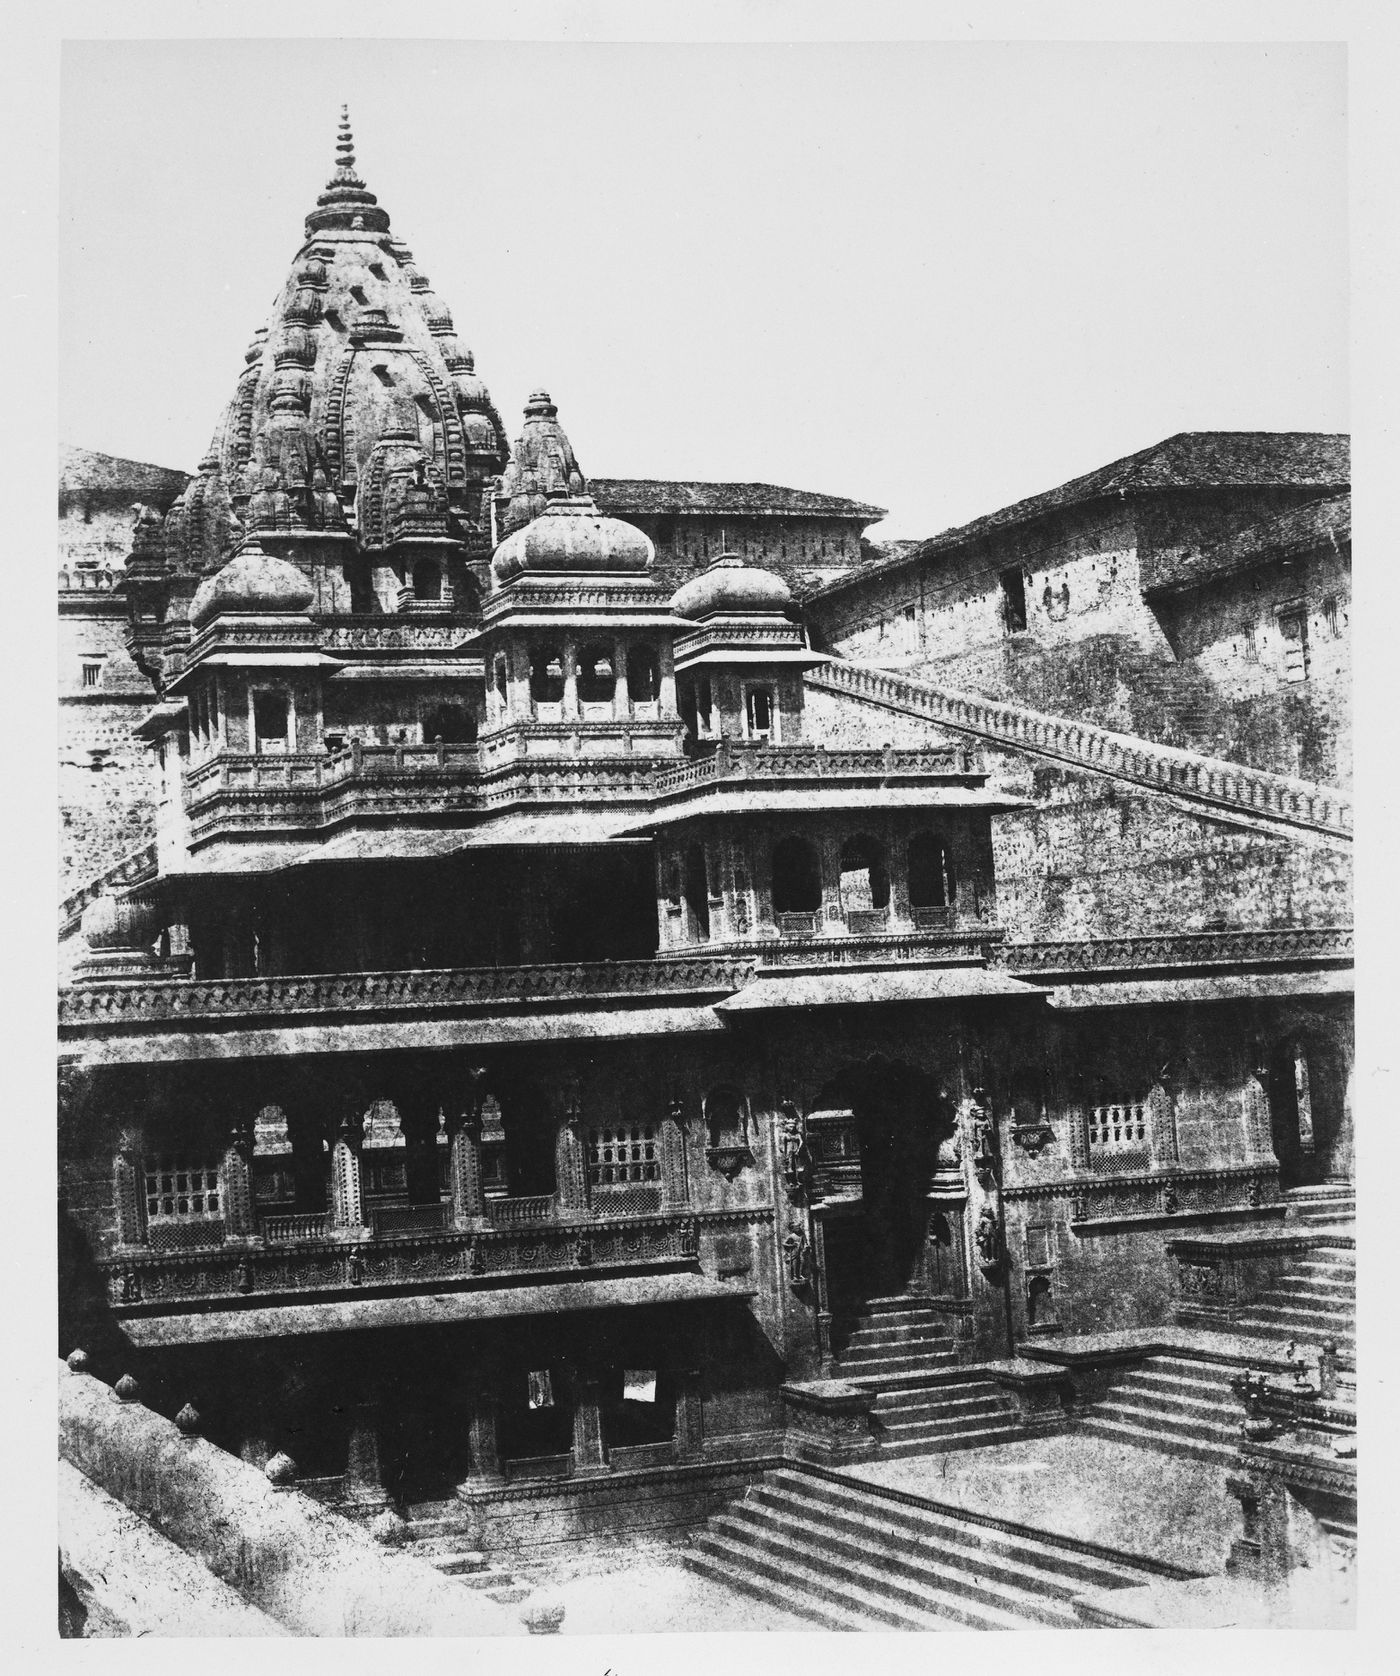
1180,949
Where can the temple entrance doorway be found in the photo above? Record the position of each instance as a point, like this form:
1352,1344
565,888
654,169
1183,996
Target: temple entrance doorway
876,1249
1307,1105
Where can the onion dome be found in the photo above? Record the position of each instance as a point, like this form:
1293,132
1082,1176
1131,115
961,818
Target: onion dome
542,465
572,536
119,922
255,583
734,588
346,202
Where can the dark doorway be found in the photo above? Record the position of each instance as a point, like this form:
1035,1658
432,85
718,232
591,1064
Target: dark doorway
900,1119
1307,1093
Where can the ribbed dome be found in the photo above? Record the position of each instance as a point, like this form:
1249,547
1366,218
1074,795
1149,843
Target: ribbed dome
572,535
731,586
252,581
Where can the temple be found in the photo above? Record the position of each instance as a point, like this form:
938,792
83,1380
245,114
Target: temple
634,1007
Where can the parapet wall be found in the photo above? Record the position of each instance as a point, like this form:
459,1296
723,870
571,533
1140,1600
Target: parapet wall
310,1569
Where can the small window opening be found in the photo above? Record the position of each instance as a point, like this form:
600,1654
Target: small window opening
500,676
596,680
697,892
358,293
930,872
450,724
758,712
362,600
1293,627
270,721
92,674
643,675
1013,600
427,581
797,877
382,373
865,880
547,675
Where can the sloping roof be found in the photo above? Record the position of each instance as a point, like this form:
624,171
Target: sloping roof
1292,534
1189,460
655,495
106,478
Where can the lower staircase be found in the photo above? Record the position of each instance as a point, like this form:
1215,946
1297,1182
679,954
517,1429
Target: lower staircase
1177,1405
435,1535
925,1401
1315,1300
855,1556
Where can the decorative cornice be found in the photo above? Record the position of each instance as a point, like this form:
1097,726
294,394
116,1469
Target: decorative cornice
1181,949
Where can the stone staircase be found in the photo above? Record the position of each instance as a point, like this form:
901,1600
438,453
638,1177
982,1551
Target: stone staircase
1313,1301
1176,1405
924,1400
435,1534
855,1556
1327,1205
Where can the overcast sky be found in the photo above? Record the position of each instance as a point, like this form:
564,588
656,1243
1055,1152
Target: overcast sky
938,277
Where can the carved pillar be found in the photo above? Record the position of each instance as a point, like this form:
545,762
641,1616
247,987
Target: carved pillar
622,704
364,1487
1258,1119
825,1354
1161,1108
464,1171
570,1164
236,1183
690,1430
666,692
128,1189
346,1207
675,1183
571,707
483,1441
1077,1124
590,1457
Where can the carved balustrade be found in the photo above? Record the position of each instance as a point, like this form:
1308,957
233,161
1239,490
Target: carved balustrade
736,759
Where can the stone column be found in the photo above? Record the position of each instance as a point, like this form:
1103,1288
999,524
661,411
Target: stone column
464,1171
1161,1108
570,655
129,1189
675,1183
622,705
1076,1119
236,1183
690,1429
483,1441
570,1163
590,1457
1258,1119
346,1207
364,1487
519,708
666,670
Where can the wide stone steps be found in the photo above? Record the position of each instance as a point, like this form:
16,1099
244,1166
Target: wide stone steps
875,1366
844,1555
1148,1433
898,1333
1173,1405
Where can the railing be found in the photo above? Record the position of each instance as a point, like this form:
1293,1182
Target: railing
82,581
133,869
410,1219
522,1212
746,760
285,1230
799,924
1176,949
638,1199
223,998
1227,787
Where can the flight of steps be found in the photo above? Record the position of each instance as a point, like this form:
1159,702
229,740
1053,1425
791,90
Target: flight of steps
924,1401
1176,1405
851,1557
1329,1204
1313,1301
435,1535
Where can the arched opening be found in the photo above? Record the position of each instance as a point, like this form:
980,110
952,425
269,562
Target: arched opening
695,888
1307,1098
865,884
797,886
500,682
932,889
596,678
1040,1302
643,673
547,677
695,699
427,581
449,724
528,1136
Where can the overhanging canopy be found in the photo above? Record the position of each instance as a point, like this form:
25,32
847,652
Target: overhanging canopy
433,1309
1246,986
853,989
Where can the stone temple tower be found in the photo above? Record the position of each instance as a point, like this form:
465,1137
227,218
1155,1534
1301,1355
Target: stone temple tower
359,442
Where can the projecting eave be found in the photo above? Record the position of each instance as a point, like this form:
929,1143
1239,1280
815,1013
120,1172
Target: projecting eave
868,988
803,657
160,719
272,659
817,797
440,669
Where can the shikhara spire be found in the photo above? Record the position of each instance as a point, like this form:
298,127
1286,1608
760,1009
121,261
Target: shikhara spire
346,204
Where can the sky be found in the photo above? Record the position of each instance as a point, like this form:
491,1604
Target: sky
933,276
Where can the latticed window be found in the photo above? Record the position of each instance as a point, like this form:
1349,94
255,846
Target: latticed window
628,1154
1118,1135
179,1191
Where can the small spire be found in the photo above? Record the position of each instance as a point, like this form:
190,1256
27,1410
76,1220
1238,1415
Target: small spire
345,142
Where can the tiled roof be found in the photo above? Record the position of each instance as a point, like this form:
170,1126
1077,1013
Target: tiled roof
1300,530
644,494
1189,460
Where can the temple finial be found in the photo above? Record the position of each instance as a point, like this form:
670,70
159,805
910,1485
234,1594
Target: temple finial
345,142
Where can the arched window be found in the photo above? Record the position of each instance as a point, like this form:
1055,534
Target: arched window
727,1131
797,885
547,674
643,673
362,596
596,680
427,581
932,890
865,881
697,892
